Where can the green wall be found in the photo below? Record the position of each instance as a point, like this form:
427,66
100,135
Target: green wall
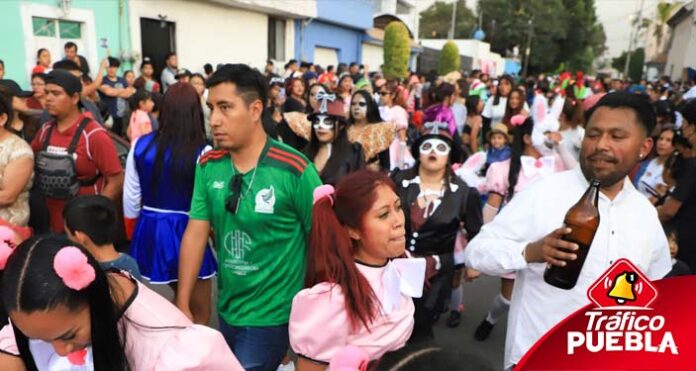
107,23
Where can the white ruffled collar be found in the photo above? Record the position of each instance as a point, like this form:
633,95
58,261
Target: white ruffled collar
402,276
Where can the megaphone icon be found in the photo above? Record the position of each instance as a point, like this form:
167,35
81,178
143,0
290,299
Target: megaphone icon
622,290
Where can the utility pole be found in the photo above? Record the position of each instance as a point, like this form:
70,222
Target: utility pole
527,50
450,34
631,41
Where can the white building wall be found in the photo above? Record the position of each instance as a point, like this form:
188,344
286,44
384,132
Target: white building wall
208,32
372,56
683,49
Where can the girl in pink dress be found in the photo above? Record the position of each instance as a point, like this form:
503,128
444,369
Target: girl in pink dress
73,316
358,289
503,180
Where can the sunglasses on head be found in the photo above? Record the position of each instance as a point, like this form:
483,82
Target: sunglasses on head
439,146
323,122
232,201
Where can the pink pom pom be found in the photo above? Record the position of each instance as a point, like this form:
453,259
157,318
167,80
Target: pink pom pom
72,267
517,120
350,358
77,358
5,252
7,234
323,191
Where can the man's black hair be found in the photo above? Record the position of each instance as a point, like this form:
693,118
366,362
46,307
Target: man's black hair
304,64
353,64
688,110
114,62
66,65
69,45
6,104
208,68
640,104
169,55
93,215
292,61
329,68
249,82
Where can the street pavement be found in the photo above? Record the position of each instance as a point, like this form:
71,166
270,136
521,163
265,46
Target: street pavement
471,354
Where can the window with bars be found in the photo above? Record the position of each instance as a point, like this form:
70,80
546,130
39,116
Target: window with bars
51,28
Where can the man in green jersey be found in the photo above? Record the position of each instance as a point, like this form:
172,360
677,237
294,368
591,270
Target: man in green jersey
256,194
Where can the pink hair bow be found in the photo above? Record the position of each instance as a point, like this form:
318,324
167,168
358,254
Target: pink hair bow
350,358
326,190
7,245
517,120
72,267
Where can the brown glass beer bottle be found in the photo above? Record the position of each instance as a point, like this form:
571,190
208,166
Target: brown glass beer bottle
583,220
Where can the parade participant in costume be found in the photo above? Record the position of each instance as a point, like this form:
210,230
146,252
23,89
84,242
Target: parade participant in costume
273,120
367,128
157,194
298,122
329,148
474,170
358,284
439,109
85,319
503,180
617,136
435,203
494,110
393,109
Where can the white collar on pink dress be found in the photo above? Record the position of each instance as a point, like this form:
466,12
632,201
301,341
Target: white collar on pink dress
542,166
402,276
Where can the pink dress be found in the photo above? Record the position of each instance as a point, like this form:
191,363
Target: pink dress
158,337
139,125
319,326
532,170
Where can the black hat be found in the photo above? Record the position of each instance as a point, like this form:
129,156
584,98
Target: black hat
65,80
182,72
15,90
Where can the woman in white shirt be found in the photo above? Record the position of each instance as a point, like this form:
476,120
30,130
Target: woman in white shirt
652,177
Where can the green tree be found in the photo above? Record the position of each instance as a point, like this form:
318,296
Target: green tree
449,59
396,51
664,12
563,31
635,68
435,21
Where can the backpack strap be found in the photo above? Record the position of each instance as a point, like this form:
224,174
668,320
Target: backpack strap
76,138
47,139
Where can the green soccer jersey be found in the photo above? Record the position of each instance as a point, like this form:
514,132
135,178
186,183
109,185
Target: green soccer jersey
262,248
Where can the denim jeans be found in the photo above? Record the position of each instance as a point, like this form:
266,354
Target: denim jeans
257,348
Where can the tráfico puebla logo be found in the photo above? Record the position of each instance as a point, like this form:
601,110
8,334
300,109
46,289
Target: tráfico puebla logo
631,323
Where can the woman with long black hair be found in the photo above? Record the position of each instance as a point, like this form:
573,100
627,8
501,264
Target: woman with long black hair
329,148
366,127
494,110
157,194
503,180
68,314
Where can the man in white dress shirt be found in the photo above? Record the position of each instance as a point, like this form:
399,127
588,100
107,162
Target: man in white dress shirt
526,235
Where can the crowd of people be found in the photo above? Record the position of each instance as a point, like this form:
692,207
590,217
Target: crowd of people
339,209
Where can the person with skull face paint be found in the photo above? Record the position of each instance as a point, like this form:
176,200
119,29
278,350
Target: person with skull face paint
329,148
367,128
298,122
435,202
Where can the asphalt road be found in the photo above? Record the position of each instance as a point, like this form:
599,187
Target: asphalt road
460,342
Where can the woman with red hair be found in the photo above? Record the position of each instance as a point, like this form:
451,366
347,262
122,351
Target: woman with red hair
358,291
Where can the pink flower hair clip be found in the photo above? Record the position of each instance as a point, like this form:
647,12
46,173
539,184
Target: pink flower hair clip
72,267
517,120
326,190
7,245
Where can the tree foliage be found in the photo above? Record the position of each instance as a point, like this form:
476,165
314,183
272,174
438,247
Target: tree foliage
449,59
563,31
635,67
396,50
435,21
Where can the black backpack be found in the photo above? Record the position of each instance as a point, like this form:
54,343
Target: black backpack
56,172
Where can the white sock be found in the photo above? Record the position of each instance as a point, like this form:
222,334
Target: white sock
456,298
499,307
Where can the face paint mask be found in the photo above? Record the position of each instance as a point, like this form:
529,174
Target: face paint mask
359,108
323,122
440,147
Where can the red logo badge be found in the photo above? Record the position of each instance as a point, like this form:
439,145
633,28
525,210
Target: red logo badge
622,286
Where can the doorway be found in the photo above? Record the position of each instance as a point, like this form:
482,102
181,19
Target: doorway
158,38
